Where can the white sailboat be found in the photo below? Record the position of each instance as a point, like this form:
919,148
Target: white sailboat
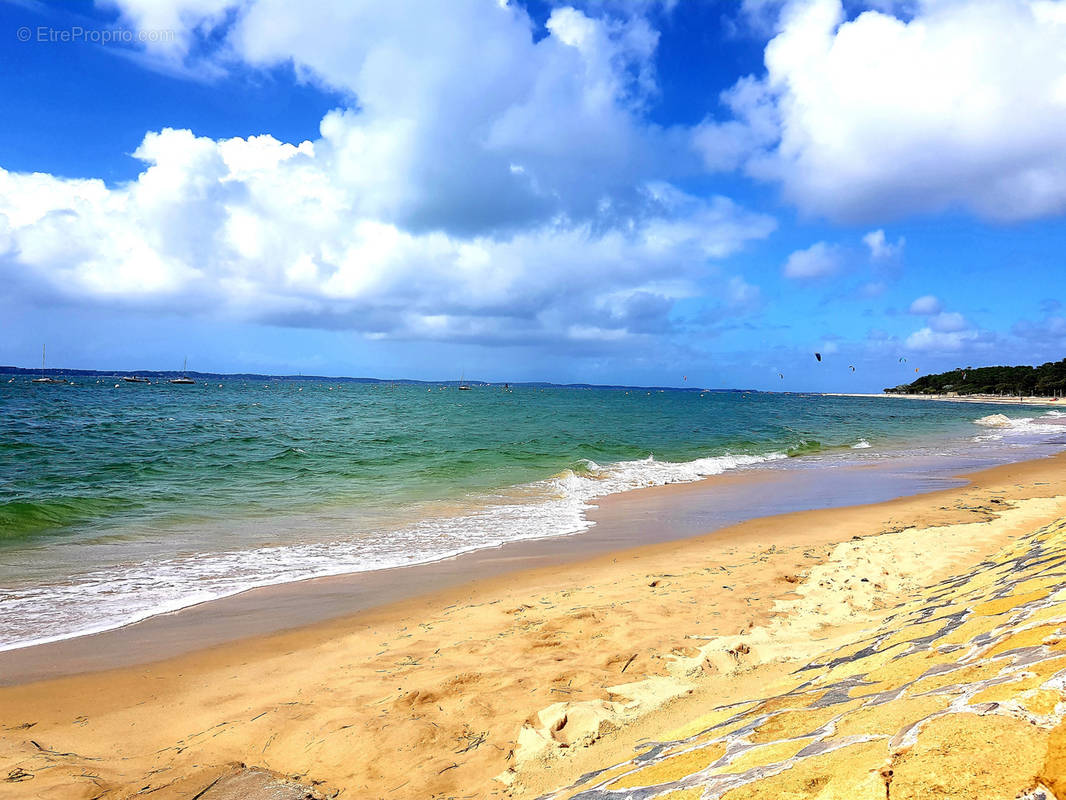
184,378
44,378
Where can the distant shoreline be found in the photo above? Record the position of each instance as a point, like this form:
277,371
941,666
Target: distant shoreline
68,372
968,398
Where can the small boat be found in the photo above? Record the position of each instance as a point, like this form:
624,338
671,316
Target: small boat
135,379
45,378
463,387
184,378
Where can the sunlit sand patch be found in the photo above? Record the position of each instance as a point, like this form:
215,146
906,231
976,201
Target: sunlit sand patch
960,701
966,755
672,767
842,773
765,755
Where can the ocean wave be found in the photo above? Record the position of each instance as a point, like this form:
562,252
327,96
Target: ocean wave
805,448
862,444
21,518
1002,426
105,599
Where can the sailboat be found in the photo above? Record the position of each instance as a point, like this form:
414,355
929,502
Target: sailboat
44,378
462,383
135,379
184,378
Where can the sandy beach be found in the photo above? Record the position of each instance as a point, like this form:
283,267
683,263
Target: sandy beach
1041,402
497,400
518,684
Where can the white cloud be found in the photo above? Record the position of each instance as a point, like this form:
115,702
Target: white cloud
817,261
880,248
480,184
948,322
460,118
929,340
944,331
954,105
272,231
926,305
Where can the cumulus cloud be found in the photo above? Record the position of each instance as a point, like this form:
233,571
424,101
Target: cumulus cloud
273,231
483,182
948,105
880,248
929,340
926,305
817,261
944,331
948,322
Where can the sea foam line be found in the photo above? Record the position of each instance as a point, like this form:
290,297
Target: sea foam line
117,597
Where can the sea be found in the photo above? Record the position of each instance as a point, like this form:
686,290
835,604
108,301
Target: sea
121,501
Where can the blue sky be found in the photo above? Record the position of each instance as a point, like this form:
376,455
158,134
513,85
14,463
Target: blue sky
609,191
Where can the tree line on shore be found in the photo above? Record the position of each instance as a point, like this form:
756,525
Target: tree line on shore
1047,380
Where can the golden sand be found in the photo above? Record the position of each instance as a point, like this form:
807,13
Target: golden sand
541,681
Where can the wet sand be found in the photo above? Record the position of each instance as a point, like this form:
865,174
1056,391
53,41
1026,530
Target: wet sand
641,517
445,693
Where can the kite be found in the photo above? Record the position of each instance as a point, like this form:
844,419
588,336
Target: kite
818,356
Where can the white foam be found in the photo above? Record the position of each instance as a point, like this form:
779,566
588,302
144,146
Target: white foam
1005,427
100,600
862,444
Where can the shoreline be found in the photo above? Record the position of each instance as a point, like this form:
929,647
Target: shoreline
651,515
54,606
474,663
1039,402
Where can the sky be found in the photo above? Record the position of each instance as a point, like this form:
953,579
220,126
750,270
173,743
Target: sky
684,192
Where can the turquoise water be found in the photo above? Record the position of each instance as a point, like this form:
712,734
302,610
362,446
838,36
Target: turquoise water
129,500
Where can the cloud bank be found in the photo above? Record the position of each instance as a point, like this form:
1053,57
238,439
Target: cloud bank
960,105
481,184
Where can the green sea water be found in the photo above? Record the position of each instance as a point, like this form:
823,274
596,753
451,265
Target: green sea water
138,498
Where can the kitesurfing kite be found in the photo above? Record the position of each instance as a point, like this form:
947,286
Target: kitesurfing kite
818,356
851,367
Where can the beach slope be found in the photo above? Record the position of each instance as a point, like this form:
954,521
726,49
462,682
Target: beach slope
809,654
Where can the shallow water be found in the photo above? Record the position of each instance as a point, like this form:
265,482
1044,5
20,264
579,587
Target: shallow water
120,503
